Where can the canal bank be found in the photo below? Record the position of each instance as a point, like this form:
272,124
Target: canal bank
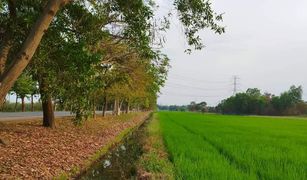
140,155
79,172
120,161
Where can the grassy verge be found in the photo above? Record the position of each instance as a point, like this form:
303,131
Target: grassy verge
154,163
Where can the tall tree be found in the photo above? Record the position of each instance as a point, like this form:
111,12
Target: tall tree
8,78
6,41
134,15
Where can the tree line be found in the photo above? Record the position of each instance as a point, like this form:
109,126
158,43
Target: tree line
81,54
254,102
251,102
192,107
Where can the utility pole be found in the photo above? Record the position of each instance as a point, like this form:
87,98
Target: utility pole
235,84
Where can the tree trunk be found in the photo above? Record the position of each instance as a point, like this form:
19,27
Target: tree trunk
105,106
94,108
48,113
23,104
54,105
16,102
119,107
8,78
7,44
115,109
32,103
127,108
94,111
3,56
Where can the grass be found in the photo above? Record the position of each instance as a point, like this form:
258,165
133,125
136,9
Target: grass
210,146
154,163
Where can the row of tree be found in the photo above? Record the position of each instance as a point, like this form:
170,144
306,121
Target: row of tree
253,102
192,107
82,54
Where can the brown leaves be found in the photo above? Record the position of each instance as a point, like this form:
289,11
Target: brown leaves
38,152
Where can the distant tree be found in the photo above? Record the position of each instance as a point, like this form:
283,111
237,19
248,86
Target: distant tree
253,102
254,92
202,107
23,87
287,99
34,92
192,106
197,107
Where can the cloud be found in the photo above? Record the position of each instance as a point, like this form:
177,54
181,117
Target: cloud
264,44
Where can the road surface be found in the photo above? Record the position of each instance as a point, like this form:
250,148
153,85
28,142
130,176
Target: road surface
15,116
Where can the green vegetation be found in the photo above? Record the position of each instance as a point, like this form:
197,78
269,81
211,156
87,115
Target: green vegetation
17,107
253,102
154,163
84,54
209,146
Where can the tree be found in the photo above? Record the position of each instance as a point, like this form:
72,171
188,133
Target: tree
34,92
6,41
202,106
8,78
287,99
135,15
23,87
253,102
254,92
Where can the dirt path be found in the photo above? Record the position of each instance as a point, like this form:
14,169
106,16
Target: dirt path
32,151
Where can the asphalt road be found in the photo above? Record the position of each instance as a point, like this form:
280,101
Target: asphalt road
15,116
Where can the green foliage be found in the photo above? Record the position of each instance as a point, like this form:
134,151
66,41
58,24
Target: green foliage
98,49
200,107
12,107
235,147
288,99
24,86
253,102
173,107
197,15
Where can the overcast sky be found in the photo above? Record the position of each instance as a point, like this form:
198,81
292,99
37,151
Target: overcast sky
265,45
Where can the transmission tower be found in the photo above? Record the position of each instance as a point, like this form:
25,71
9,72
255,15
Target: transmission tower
235,84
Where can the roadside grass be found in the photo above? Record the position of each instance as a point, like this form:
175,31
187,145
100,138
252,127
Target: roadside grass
211,146
154,163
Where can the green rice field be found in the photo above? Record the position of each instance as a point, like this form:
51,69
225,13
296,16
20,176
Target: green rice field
210,146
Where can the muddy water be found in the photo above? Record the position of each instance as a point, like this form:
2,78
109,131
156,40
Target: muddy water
120,162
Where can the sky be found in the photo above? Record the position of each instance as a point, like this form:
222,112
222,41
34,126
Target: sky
265,47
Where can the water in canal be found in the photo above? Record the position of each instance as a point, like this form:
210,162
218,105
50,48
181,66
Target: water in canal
120,162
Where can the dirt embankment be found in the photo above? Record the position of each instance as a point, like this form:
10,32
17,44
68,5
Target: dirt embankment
31,151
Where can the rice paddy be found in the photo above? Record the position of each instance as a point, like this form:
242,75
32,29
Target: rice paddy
210,146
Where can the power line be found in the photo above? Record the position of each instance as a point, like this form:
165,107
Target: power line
176,85
185,78
191,95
